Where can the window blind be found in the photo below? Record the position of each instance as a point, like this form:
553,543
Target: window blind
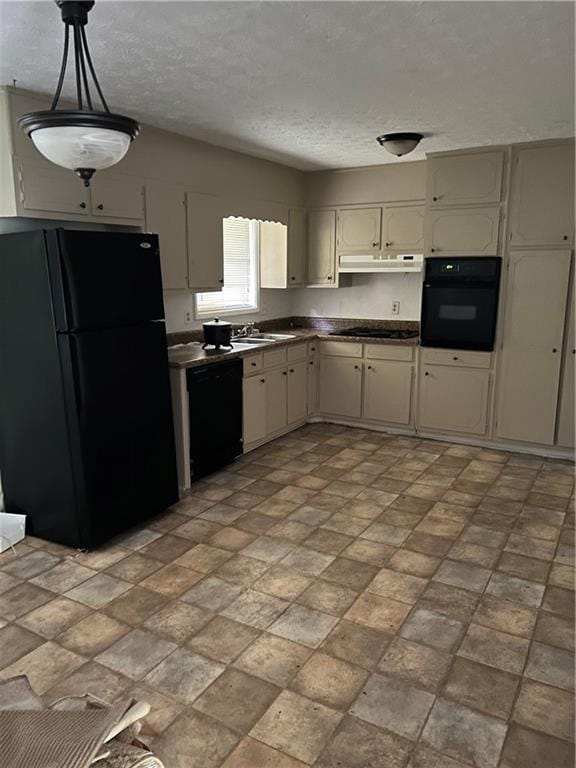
240,271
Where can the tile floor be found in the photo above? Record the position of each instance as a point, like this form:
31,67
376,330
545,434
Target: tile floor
338,598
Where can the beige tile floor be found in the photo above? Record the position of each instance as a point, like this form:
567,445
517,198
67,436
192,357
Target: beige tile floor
338,598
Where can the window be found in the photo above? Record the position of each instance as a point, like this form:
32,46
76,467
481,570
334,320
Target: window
240,292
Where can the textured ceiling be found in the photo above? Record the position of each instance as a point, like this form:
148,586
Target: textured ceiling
311,84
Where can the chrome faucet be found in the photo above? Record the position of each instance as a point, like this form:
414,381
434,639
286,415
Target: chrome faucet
246,330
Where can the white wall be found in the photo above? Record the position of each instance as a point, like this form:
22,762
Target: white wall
273,304
363,296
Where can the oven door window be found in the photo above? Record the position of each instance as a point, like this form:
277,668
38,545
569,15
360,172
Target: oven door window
462,317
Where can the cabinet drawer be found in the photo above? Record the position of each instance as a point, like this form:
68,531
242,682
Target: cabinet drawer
388,352
341,349
253,363
274,357
313,347
456,357
296,352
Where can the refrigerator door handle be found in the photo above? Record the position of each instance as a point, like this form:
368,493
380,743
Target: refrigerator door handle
75,372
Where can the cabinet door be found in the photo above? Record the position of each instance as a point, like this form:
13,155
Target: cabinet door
403,229
49,190
312,386
166,217
387,391
205,242
297,392
322,248
341,387
471,179
117,198
359,229
273,246
566,418
453,399
542,196
276,397
464,231
297,246
529,371
254,411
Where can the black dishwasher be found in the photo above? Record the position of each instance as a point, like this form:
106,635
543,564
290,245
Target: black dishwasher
215,400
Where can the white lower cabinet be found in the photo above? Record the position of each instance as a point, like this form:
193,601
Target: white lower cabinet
312,405
341,386
297,395
387,391
254,410
453,399
276,400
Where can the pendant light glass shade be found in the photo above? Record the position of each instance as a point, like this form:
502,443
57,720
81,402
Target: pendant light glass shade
83,140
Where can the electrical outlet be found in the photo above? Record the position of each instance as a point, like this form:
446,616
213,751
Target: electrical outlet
395,307
188,317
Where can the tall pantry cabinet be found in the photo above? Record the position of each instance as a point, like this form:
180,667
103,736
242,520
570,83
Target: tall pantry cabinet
536,370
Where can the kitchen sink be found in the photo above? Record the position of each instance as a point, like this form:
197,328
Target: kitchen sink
262,338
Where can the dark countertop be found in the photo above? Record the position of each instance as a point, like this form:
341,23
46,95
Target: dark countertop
191,354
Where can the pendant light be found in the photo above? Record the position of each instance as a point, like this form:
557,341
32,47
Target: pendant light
399,143
84,140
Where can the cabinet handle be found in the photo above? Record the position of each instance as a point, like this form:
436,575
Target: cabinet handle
253,364
565,237
574,351
356,367
313,349
262,381
100,207
554,350
82,205
454,358
388,245
284,373
311,362
432,250
426,373
291,370
434,199
369,367
292,278
329,277
221,281
374,245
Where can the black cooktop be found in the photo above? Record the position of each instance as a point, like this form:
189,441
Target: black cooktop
375,333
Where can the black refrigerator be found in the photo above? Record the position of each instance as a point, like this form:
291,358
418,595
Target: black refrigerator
86,431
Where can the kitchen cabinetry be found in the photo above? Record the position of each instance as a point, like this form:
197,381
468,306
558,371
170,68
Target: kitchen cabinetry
358,230
322,270
297,395
276,399
542,196
312,405
340,384
453,399
166,216
470,179
463,231
387,391
566,418
283,251
49,192
205,242
254,412
403,229
529,373
114,197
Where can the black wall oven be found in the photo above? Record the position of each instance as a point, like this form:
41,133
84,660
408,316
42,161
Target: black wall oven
460,302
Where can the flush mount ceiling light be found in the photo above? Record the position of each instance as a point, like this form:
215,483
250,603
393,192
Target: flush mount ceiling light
83,139
399,143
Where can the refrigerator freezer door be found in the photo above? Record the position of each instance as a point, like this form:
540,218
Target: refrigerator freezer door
125,455
104,279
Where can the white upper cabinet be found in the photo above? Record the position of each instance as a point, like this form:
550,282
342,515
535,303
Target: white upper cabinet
467,179
205,242
50,192
463,231
529,371
283,251
166,217
322,248
116,197
403,229
542,196
359,230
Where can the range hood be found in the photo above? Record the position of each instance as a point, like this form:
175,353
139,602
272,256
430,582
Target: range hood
381,262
